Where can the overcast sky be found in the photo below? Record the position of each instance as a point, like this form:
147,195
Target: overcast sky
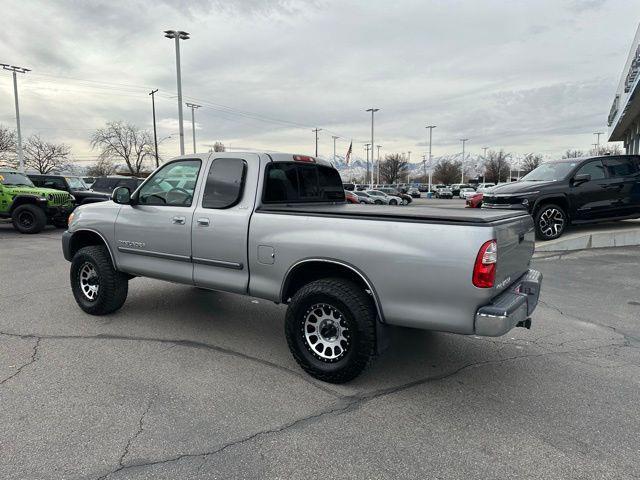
521,75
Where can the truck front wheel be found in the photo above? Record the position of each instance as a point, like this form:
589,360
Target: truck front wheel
29,218
330,329
97,286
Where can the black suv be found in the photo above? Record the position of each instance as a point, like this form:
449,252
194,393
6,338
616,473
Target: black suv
107,184
573,191
74,185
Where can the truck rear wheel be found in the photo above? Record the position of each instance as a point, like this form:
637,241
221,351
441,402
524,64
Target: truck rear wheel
331,331
29,218
97,287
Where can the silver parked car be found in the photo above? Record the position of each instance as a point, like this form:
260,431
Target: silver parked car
467,192
364,197
381,198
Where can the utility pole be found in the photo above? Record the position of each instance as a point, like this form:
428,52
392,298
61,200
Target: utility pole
408,165
14,69
372,110
178,35
379,147
463,140
155,133
367,178
430,128
316,130
335,137
193,107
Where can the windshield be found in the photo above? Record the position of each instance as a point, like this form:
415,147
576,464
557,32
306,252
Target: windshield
76,183
552,171
14,178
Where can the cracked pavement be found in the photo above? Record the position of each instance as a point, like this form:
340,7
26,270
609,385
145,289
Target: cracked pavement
184,383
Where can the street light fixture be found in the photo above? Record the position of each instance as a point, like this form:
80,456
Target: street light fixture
178,35
463,140
14,69
372,110
430,128
193,107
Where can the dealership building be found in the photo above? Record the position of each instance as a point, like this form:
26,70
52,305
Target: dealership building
624,117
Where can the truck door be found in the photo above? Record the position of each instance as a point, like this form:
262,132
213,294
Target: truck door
221,222
625,185
153,235
592,199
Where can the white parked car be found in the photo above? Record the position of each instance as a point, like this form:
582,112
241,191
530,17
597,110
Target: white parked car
483,187
381,198
467,192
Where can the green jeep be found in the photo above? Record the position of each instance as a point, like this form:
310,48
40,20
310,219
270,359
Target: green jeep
29,207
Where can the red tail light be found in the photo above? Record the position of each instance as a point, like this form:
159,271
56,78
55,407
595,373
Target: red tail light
304,158
484,270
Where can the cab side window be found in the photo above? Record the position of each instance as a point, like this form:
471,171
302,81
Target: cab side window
620,167
594,168
54,182
174,185
224,183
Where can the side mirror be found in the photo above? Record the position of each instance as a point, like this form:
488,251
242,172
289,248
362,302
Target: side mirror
121,195
581,178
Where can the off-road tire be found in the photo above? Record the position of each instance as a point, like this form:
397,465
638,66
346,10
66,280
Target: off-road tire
113,285
29,218
359,313
542,232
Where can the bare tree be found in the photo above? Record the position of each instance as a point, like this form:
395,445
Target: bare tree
606,150
573,154
43,156
219,147
102,168
447,171
496,166
7,147
393,168
530,162
124,141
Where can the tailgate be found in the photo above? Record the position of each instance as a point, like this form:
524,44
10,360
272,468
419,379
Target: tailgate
516,243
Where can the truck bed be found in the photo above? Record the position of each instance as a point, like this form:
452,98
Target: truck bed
464,216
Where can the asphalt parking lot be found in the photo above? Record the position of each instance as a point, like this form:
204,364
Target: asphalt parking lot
185,383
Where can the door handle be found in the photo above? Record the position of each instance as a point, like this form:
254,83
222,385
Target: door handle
203,222
178,220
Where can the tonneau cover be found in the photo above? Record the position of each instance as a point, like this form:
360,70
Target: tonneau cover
397,213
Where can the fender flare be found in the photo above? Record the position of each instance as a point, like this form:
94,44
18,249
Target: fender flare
25,198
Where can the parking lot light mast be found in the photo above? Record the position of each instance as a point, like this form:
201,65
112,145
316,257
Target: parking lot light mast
597,134
366,180
193,107
484,159
178,35
14,70
155,132
372,110
430,128
379,147
463,140
335,137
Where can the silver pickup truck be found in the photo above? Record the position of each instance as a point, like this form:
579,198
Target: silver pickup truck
276,226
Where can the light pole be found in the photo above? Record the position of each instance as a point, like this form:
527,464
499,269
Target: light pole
335,137
463,140
316,130
379,147
193,107
178,35
367,179
408,164
430,128
155,133
484,158
372,110
14,69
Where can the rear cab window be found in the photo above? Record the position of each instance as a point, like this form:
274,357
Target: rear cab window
291,182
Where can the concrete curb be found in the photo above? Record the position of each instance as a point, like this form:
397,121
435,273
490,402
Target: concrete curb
621,237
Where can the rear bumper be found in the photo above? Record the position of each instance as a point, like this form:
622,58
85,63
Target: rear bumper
511,308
